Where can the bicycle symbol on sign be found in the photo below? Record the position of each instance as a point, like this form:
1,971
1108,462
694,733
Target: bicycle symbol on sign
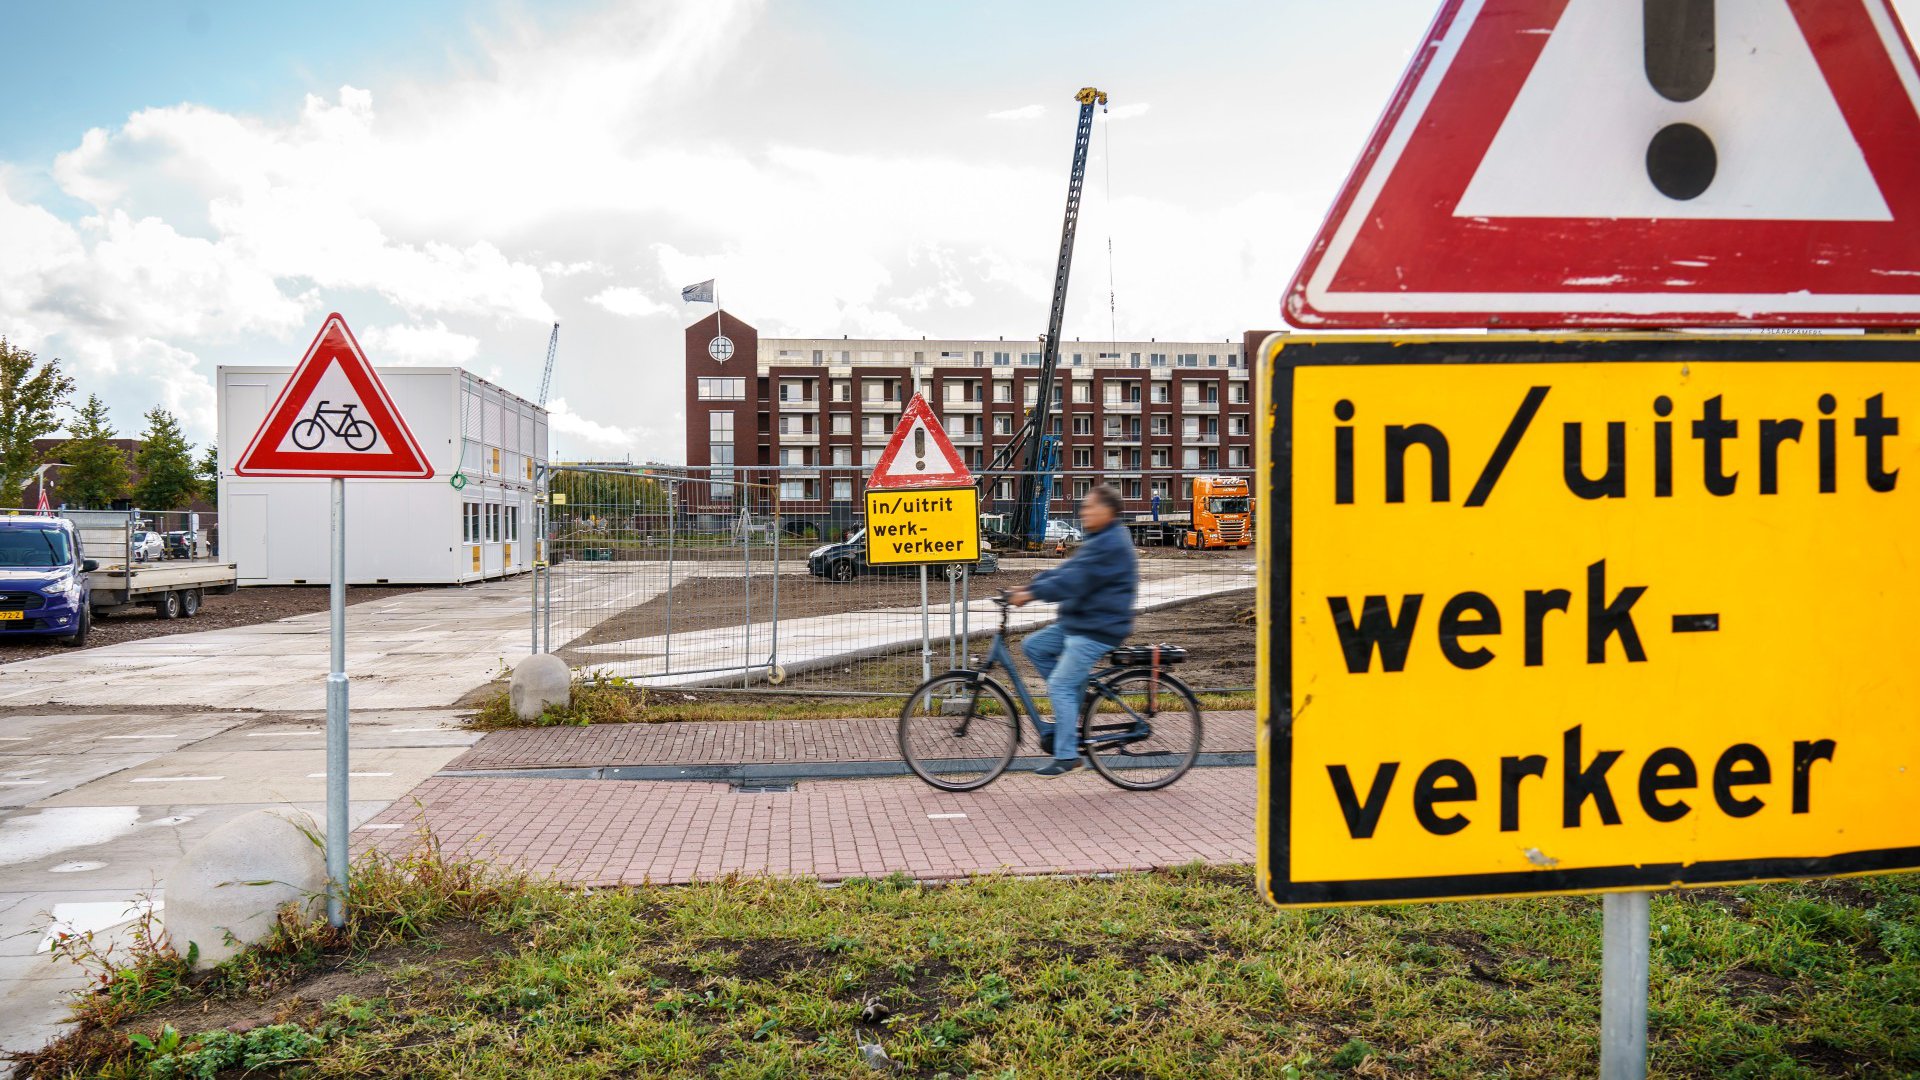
357,433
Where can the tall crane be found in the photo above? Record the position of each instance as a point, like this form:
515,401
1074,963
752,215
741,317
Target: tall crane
1035,447
546,377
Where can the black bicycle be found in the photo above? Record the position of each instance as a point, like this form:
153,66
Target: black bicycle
358,434
1139,725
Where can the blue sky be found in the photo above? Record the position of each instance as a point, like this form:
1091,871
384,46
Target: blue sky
185,185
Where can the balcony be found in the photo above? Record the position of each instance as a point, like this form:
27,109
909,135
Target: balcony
1200,406
799,404
966,438
800,438
1123,406
961,406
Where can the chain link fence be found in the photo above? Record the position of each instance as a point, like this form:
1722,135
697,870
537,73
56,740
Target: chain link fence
756,579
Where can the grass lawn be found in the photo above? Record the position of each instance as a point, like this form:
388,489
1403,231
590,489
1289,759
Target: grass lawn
612,700
448,972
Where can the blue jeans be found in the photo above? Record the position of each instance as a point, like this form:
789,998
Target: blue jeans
1064,661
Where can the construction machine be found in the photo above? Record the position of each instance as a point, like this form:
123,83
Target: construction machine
1035,450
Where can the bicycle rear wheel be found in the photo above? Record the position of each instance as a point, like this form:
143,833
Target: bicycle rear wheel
1141,729
958,731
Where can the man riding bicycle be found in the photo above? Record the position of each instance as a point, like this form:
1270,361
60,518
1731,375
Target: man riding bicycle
1095,590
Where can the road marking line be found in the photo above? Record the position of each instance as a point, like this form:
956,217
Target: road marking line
19,783
944,817
13,738
272,734
171,779
323,776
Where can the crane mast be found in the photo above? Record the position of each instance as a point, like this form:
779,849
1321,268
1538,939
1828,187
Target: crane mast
546,377
1041,447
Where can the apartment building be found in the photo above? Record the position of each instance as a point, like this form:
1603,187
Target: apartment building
1140,415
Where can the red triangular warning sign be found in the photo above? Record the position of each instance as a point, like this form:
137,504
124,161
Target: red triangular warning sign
919,454
334,418
1599,163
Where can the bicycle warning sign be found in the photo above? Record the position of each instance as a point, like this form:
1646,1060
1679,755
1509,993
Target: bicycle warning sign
334,419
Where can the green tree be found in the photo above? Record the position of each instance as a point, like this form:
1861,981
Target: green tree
30,402
208,473
165,463
96,472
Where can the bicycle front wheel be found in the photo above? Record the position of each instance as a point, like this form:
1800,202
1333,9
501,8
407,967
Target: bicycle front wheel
1141,728
958,731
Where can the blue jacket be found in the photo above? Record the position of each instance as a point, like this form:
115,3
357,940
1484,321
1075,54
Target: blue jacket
1095,588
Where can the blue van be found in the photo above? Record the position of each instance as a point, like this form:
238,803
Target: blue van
43,580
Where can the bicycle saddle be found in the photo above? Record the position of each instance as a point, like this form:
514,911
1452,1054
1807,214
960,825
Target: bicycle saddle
1139,655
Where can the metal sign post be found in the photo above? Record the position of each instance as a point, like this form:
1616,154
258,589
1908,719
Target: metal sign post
337,718
1624,949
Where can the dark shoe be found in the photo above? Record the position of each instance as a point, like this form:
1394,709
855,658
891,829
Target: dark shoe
1058,768
1046,744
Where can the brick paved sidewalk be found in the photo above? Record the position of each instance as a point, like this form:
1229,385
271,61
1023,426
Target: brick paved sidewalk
738,742
597,832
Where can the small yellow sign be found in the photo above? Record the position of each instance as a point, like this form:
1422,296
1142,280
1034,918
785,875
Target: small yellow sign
1547,615
496,460
908,527
476,558
558,498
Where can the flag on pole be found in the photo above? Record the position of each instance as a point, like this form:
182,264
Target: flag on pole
698,294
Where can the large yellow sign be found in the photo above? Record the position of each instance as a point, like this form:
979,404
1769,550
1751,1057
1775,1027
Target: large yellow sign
908,527
1573,614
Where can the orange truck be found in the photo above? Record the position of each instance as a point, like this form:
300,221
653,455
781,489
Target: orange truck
1220,515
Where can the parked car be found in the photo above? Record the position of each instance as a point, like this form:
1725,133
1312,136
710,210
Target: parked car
847,560
43,580
147,544
179,544
1059,529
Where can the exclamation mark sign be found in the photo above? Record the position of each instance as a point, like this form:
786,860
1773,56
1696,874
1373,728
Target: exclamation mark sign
920,448
1678,54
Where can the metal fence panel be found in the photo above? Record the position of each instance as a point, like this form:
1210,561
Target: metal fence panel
743,577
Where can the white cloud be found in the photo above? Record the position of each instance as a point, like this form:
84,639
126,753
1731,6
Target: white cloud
572,434
1128,111
627,300
431,345
1024,112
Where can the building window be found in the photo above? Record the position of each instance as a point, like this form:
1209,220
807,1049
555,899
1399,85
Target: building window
1239,393
843,455
793,490
1237,425
1136,359
1081,488
979,359
874,425
842,390
842,424
513,524
816,358
1233,359
493,523
1131,490
1003,392
1160,458
1003,425
1030,359
1190,458
724,390
1158,488
1083,393
720,453
1163,424
1083,458
796,458
1158,359
842,490
1001,359
470,523
1003,490
1213,359
1188,359
1190,428
1162,393
1237,457
1083,425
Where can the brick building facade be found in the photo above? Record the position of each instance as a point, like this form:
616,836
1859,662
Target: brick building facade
1141,415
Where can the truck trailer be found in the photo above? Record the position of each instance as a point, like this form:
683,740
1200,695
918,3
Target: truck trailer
1220,515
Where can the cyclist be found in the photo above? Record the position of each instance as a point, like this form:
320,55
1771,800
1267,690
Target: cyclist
1095,590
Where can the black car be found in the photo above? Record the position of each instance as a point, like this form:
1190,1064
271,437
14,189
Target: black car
847,560
179,544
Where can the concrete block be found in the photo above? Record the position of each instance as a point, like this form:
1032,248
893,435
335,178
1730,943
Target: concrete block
539,680
227,890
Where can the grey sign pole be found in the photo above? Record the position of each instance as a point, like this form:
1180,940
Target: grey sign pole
926,630
337,719
1623,986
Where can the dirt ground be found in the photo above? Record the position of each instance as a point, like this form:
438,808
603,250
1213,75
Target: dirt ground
705,603
255,604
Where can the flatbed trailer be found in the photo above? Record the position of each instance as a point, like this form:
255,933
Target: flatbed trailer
173,588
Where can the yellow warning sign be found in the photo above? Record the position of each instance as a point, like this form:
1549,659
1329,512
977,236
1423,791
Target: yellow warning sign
1572,614
907,527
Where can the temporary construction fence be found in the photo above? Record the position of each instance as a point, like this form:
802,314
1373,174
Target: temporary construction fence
744,578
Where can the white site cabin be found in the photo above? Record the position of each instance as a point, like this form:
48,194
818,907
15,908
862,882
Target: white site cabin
416,532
